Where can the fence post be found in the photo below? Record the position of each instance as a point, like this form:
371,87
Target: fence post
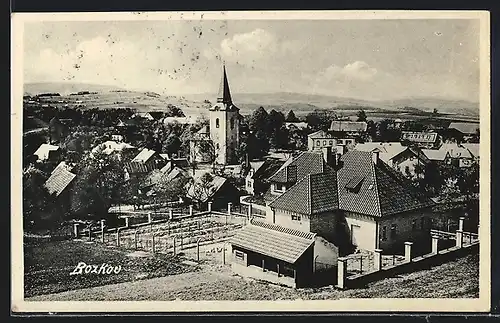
209,207
224,253
198,250
135,239
102,230
150,217
190,210
377,259
90,233
459,238
461,223
126,222
341,272
175,251
117,237
76,230
170,214
249,212
408,251
478,232
153,243
435,244
229,208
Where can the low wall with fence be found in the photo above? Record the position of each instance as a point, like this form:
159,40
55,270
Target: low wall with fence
186,233
359,269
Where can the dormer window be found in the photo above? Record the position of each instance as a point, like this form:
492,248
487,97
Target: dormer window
354,185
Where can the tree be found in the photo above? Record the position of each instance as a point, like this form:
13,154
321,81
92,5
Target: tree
361,115
290,117
95,190
318,120
36,198
208,150
172,144
201,189
259,120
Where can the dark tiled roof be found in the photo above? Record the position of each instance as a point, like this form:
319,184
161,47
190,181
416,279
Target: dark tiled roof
383,191
394,193
267,169
59,180
157,115
274,241
294,170
139,168
313,194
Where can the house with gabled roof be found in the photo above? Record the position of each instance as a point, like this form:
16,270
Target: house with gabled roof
402,158
351,200
259,171
47,152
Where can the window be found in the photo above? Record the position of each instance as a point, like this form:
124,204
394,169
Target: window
217,144
331,143
283,188
295,217
384,233
324,142
407,169
239,255
232,123
318,143
394,231
217,123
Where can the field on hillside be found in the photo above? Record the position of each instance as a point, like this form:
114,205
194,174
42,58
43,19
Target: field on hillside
456,279
301,104
47,266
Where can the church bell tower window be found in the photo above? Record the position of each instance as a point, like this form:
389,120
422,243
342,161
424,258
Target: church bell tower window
217,123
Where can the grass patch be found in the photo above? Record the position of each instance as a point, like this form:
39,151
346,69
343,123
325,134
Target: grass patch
48,264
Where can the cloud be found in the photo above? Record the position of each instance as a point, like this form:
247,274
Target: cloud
356,71
255,43
102,60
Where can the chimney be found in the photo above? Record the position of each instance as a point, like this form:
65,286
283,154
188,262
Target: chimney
375,156
328,156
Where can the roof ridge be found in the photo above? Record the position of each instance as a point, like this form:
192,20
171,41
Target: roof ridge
375,186
309,200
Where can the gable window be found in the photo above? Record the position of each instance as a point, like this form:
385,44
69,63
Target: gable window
394,232
217,123
384,233
295,217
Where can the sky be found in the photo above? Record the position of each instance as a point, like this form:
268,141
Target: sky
364,59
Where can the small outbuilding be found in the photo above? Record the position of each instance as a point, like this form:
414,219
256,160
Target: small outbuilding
274,253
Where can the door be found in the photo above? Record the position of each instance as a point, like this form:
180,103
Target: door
355,234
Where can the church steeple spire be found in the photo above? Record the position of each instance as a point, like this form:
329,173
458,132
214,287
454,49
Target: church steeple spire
224,95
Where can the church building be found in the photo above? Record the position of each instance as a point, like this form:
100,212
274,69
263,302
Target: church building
222,135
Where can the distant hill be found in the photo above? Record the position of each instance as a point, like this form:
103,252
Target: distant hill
65,88
304,103
301,104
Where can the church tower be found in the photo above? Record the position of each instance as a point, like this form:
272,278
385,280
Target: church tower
224,124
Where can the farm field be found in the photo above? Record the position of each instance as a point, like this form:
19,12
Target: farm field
212,281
